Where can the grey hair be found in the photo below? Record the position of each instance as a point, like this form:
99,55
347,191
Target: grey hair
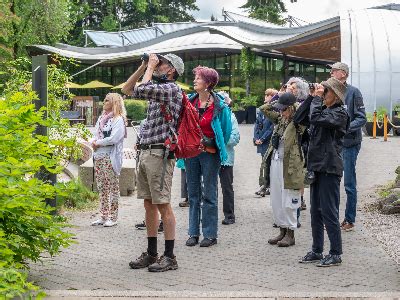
302,87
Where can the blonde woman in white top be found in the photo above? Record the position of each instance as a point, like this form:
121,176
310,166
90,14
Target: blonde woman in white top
110,132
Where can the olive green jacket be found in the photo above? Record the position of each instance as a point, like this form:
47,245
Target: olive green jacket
293,159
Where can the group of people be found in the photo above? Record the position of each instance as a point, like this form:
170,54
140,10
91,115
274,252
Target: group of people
311,135
300,132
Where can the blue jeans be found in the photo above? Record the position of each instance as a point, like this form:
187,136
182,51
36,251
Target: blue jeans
350,181
203,170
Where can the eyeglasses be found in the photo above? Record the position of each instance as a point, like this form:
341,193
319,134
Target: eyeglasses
325,91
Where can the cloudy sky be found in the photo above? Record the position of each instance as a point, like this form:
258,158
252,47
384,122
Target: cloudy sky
307,10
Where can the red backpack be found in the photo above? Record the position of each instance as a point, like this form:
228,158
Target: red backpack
186,142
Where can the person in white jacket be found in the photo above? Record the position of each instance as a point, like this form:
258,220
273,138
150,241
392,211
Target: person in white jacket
107,144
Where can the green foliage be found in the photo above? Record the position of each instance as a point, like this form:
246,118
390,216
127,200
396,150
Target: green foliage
114,14
267,10
249,101
237,105
396,108
27,227
34,22
136,109
76,195
380,113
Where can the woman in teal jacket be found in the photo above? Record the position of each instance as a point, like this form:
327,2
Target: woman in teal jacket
202,170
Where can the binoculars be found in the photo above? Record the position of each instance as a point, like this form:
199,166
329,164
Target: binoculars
145,57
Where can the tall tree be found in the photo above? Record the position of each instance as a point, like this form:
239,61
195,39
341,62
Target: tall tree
267,10
33,22
110,15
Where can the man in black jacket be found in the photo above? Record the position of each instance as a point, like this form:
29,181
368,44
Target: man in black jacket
352,141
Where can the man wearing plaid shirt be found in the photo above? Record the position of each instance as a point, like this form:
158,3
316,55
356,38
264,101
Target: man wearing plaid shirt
163,91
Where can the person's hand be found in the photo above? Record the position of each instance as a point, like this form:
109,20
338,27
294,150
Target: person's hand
153,61
94,146
258,142
143,66
319,90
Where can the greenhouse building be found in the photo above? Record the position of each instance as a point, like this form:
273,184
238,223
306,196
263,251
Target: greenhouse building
367,40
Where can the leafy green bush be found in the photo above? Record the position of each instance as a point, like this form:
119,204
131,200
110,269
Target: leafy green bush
249,101
28,226
136,109
76,195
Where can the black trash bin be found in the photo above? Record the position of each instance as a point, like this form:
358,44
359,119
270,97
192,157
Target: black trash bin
251,112
240,116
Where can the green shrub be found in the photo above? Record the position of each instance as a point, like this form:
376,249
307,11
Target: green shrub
249,101
27,226
136,109
76,195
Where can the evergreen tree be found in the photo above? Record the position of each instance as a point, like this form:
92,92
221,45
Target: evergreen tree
267,10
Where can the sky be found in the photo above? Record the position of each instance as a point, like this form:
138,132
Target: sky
310,11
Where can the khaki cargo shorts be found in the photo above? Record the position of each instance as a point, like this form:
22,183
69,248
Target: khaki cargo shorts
149,176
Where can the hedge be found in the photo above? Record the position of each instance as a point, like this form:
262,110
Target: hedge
136,109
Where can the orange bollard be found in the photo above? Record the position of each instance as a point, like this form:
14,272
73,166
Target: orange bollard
385,128
374,127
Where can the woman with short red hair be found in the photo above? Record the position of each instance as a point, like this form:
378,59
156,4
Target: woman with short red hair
202,170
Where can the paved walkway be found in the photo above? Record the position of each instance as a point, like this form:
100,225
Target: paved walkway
243,264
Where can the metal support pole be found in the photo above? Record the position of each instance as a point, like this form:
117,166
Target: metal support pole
39,85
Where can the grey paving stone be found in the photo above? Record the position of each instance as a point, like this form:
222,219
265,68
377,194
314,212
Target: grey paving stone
242,264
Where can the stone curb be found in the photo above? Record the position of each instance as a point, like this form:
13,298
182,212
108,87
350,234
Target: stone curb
218,294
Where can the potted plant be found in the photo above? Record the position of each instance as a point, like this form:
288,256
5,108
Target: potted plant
396,118
250,103
380,114
239,111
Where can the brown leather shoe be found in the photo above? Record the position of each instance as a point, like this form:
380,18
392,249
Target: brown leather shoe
165,263
143,261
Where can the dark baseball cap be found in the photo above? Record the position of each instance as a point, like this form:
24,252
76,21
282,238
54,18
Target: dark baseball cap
285,100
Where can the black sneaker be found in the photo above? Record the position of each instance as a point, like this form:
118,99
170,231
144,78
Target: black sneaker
141,226
208,242
163,264
228,221
311,257
192,241
330,260
143,261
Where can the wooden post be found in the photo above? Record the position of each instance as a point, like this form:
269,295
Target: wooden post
385,128
374,127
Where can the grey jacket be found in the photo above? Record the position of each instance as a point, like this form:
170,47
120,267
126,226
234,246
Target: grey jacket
356,110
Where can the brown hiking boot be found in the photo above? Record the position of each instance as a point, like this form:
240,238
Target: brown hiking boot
165,263
346,226
143,261
288,240
281,235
